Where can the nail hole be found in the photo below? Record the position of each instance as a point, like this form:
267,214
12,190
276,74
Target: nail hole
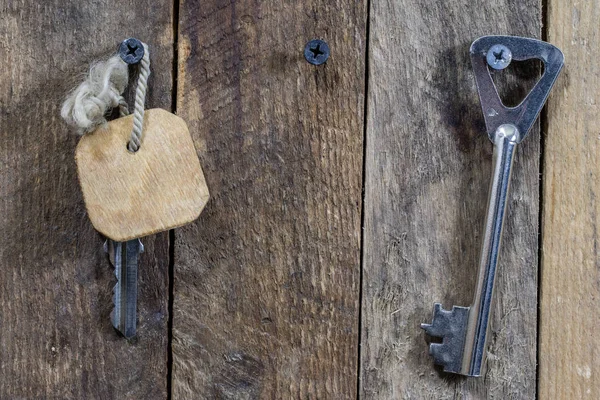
130,151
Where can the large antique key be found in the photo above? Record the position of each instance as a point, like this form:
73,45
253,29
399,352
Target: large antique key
464,329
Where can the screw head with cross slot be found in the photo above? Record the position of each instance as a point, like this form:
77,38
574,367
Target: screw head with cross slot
131,51
498,56
316,52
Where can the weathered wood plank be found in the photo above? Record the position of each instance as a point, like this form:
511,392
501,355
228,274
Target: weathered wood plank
569,325
428,165
267,280
56,339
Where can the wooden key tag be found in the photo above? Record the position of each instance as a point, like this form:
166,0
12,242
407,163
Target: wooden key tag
130,195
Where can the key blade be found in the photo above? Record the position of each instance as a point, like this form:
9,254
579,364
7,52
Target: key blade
124,257
451,327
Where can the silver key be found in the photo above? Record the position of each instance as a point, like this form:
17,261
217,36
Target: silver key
464,329
125,256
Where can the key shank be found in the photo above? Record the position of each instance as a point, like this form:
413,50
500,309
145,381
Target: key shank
474,356
124,256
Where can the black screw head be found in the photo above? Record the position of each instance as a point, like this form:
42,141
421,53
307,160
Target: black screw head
316,52
131,51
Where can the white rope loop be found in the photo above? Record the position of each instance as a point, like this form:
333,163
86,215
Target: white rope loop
140,101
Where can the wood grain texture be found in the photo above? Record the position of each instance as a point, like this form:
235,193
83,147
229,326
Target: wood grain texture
56,338
267,279
132,195
569,325
428,167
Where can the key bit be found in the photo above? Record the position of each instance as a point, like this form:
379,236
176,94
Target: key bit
124,256
464,329
449,325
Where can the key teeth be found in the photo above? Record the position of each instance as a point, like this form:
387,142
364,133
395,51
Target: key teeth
436,327
113,314
439,354
451,327
110,247
115,321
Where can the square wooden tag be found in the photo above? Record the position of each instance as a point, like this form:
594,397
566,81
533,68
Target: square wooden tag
131,195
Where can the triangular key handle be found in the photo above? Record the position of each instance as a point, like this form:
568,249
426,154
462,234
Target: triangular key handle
524,115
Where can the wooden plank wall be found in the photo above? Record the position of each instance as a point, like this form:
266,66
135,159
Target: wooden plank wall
278,292
569,323
56,339
267,280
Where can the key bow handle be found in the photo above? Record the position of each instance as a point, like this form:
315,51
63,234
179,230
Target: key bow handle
497,52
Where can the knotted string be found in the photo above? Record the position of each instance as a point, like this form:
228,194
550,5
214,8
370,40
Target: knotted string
102,90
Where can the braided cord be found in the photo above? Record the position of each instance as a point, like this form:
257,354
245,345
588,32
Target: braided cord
140,100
